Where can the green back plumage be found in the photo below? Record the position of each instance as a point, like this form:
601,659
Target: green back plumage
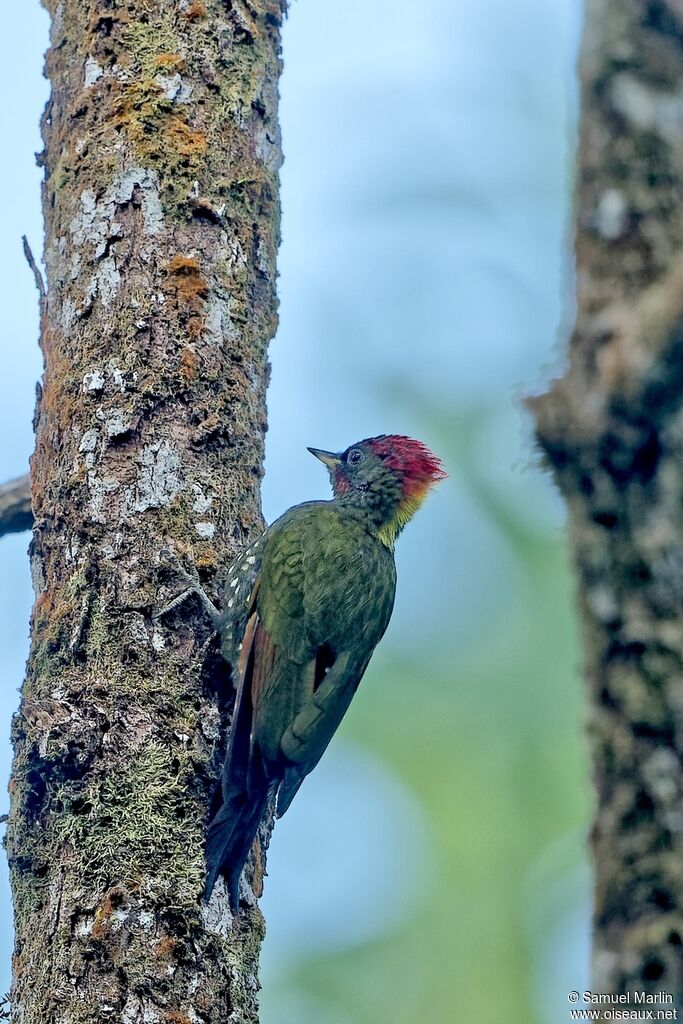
326,589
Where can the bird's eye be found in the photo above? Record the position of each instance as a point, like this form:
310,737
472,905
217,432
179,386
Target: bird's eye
355,455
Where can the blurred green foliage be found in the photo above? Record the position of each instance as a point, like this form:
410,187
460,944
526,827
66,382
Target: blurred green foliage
486,733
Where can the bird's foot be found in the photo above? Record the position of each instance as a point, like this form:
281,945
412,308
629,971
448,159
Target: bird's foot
194,586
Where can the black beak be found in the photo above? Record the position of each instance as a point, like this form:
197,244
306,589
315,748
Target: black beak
329,458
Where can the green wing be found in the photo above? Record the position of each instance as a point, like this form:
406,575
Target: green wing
304,608
325,594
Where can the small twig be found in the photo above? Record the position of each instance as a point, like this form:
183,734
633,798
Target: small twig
15,506
38,277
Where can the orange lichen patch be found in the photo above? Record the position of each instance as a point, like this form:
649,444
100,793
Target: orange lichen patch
177,1017
195,328
170,61
190,286
208,559
158,131
188,365
111,902
166,946
205,208
44,605
195,11
137,108
57,380
52,607
184,140
18,965
183,265
192,289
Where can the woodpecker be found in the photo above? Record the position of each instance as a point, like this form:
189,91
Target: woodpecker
303,609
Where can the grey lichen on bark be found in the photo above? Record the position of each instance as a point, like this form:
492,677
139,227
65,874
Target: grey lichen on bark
612,429
161,212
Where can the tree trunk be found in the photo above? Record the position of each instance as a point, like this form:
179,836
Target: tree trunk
161,211
612,429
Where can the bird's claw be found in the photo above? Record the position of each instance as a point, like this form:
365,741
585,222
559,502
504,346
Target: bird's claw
194,586
190,576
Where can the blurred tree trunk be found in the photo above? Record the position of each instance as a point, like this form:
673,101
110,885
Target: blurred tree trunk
612,428
161,213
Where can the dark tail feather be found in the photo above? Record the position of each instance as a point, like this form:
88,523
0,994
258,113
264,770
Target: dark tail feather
229,839
289,787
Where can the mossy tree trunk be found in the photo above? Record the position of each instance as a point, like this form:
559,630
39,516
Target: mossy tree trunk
161,214
612,429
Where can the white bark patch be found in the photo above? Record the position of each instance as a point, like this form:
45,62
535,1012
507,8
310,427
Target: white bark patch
235,253
37,575
84,927
136,1011
93,382
118,377
92,72
96,225
174,88
661,772
205,530
108,280
148,183
67,314
218,322
82,226
158,641
216,916
118,918
210,722
136,628
117,423
89,441
159,478
202,502
268,149
647,108
147,920
57,27
611,214
71,548
262,257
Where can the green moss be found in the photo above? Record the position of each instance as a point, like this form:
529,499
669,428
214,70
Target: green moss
97,634
141,827
147,41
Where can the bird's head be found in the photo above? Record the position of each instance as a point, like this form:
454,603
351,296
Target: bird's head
387,476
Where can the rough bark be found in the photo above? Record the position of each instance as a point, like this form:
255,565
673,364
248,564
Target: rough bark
15,506
612,429
161,213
